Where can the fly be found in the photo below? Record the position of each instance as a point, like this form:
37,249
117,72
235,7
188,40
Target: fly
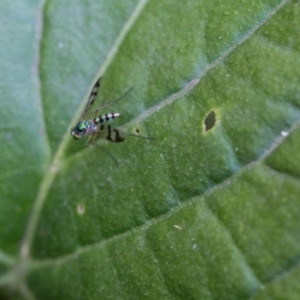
97,128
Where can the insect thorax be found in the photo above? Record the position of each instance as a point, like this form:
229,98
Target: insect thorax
82,126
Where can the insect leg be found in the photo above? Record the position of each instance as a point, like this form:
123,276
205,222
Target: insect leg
113,102
87,141
139,136
103,149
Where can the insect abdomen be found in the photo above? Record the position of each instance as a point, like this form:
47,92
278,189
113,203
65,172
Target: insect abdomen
105,118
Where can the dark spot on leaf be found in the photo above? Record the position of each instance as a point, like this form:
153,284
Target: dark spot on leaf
210,121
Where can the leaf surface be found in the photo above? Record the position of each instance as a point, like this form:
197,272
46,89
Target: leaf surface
195,214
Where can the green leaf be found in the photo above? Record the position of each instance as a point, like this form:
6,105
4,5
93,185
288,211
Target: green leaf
210,209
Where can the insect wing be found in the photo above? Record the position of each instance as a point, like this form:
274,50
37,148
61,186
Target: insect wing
92,97
106,132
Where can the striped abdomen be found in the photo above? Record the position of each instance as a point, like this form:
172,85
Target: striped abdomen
105,118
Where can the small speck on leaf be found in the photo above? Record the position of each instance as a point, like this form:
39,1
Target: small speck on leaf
80,208
177,227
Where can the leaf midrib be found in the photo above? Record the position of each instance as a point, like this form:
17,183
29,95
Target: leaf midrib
59,155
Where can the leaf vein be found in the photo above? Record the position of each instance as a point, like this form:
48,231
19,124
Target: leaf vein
195,81
277,142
